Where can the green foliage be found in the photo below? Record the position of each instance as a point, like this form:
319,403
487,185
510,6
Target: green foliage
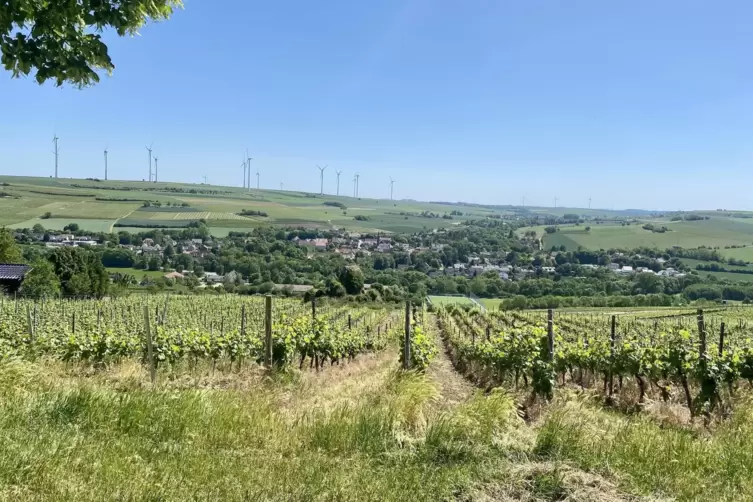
80,271
41,281
9,250
352,279
335,204
62,41
423,348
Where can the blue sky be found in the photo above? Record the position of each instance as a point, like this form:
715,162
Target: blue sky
640,104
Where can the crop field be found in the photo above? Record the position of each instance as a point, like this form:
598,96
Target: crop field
86,202
688,234
95,225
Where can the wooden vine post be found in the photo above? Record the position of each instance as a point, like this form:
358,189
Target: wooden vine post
550,334
149,346
612,339
406,349
243,320
701,335
721,339
268,330
30,324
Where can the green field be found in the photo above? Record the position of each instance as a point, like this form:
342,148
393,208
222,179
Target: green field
94,206
686,234
138,274
93,225
451,300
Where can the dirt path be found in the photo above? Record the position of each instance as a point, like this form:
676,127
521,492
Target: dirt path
453,387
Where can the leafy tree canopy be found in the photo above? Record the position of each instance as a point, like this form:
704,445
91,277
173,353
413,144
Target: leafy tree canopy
9,250
62,40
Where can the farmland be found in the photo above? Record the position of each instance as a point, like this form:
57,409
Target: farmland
117,205
722,232
335,417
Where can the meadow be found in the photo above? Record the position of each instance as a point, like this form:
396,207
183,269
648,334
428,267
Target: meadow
115,205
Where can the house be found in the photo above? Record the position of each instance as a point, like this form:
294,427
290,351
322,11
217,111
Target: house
384,247
147,249
670,272
12,276
174,275
320,244
548,270
613,266
626,270
212,278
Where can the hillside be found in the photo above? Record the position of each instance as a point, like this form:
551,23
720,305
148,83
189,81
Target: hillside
119,205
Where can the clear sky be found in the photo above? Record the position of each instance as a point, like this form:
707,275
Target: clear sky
639,104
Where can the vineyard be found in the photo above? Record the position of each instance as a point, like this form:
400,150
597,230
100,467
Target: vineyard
343,420
707,356
168,331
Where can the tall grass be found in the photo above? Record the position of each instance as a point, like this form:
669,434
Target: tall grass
652,458
82,440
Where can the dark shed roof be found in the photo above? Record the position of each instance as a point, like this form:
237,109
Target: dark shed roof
13,272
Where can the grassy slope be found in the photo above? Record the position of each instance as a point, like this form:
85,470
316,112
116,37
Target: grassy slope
357,432
71,204
687,234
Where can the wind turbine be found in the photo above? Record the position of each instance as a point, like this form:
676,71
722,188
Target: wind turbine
156,168
355,188
56,152
205,179
321,177
243,164
257,178
281,185
149,149
392,186
555,202
358,176
338,181
105,164
248,164
589,203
